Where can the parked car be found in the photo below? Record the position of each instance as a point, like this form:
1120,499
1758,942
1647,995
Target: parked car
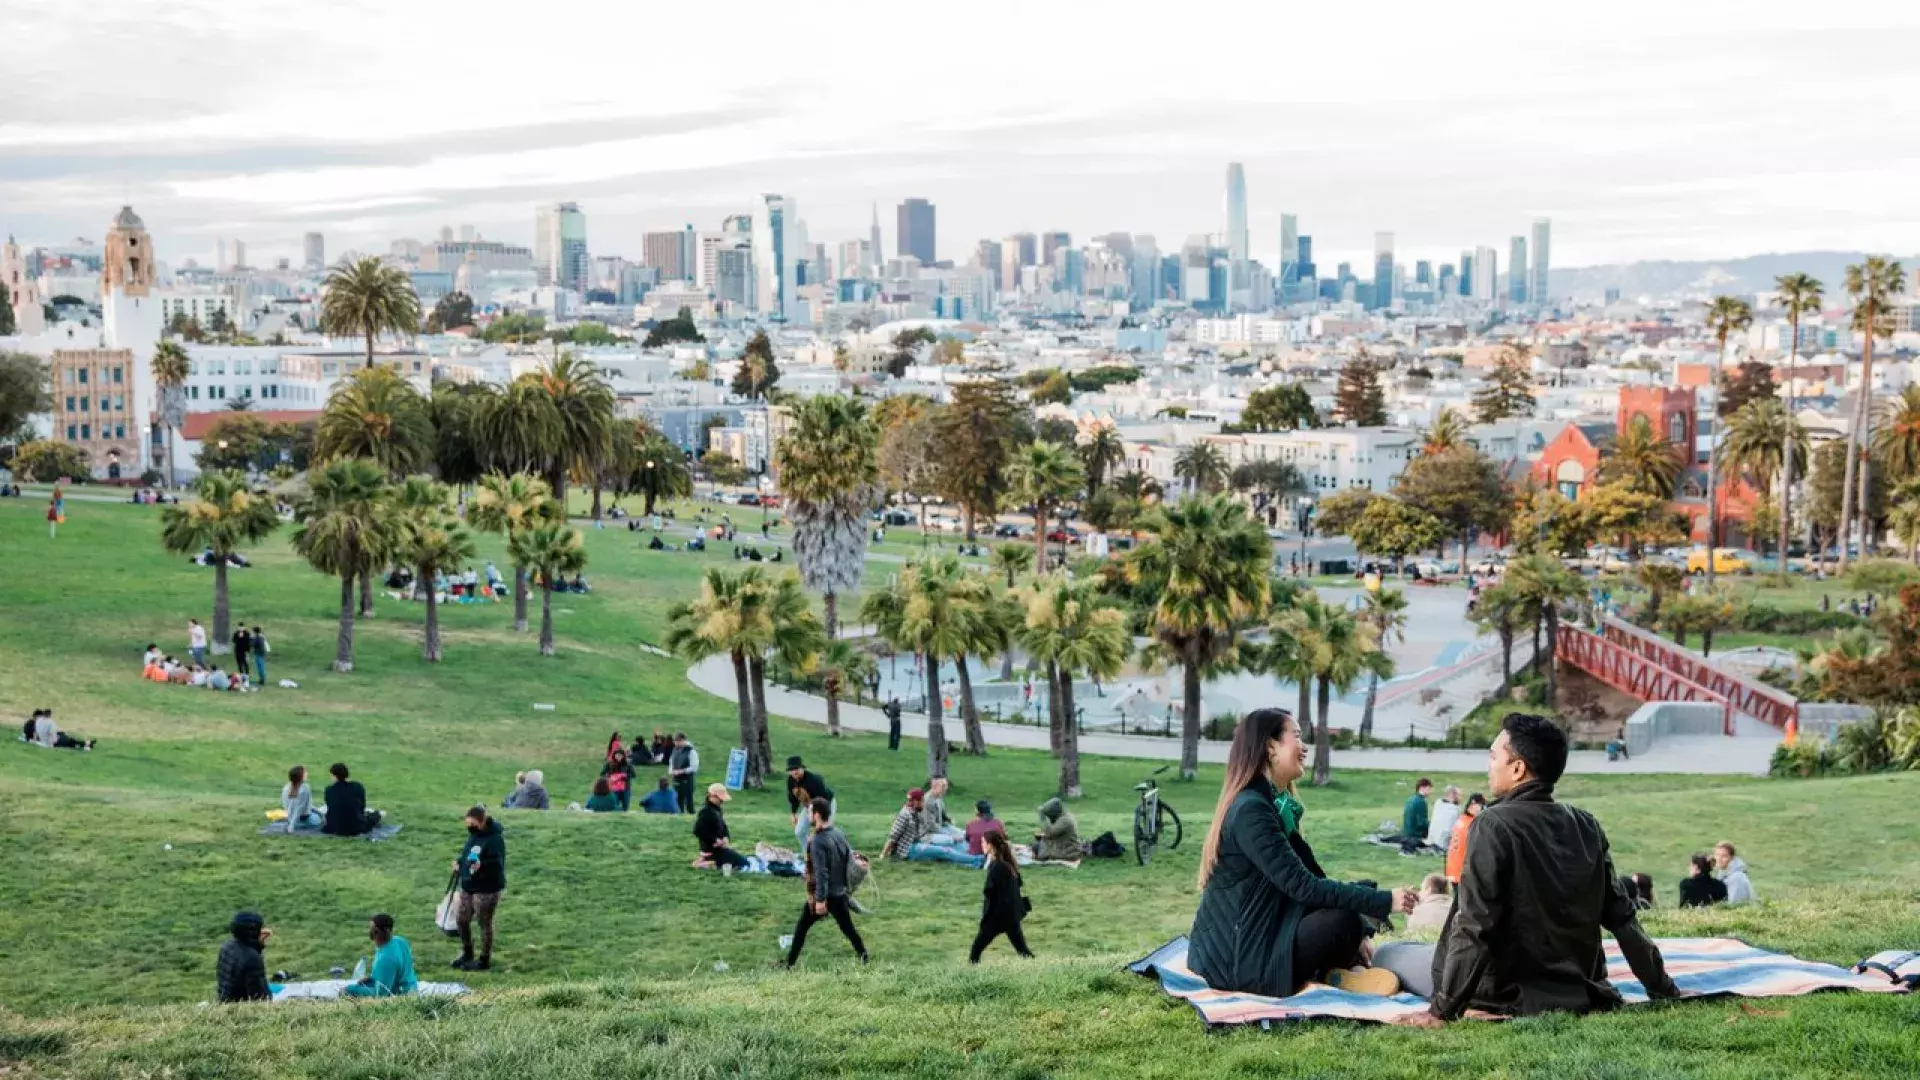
750,499
1059,535
1725,561
898,517
1007,531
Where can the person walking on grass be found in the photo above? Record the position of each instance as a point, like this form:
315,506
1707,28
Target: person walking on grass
260,655
683,765
56,513
197,641
482,867
1004,908
828,857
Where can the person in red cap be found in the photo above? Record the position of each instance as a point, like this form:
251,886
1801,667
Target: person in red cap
906,840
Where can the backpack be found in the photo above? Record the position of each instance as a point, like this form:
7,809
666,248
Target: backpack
1105,846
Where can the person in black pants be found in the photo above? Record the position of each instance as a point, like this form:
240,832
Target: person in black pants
828,857
710,829
892,710
683,765
1005,908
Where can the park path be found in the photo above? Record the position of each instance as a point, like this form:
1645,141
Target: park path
1712,754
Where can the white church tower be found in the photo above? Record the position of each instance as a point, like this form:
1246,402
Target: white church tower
130,316
28,318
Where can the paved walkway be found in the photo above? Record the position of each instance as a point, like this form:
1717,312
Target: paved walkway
1716,754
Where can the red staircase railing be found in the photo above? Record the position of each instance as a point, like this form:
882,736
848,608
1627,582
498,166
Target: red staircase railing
1633,673
1746,695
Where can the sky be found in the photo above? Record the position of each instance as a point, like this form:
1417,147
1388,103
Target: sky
1683,130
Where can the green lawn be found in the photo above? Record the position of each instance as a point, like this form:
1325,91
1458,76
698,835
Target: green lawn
609,942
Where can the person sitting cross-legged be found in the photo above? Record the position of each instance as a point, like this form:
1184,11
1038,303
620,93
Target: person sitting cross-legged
1538,888
710,829
602,801
1059,835
661,800
907,838
392,972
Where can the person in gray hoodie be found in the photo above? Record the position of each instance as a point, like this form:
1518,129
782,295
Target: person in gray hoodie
1059,835
828,858
529,794
1733,874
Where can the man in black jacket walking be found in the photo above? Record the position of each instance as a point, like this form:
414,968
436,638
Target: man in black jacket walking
828,857
240,974
1538,886
482,867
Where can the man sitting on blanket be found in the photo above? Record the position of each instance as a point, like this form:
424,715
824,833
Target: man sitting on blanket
392,972
1538,886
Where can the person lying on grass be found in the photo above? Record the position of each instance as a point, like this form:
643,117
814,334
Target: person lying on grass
1270,921
1539,885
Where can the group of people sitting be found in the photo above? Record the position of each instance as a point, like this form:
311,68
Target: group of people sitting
40,730
240,972
922,831
459,587
1521,933
162,668
749,553
345,812
1720,878
612,790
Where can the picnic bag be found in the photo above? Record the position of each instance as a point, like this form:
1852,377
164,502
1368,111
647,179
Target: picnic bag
1105,846
445,917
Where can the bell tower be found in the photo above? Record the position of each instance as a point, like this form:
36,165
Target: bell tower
28,319
130,315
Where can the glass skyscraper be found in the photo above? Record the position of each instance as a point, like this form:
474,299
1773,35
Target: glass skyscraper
1537,277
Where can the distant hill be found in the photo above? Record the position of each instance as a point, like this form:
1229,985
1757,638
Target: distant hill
1748,274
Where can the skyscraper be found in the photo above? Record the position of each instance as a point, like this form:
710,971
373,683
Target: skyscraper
1486,274
915,228
777,239
1050,243
879,249
1307,270
1517,270
560,246
314,251
665,252
1382,269
987,256
1466,273
1537,277
1289,249
1238,250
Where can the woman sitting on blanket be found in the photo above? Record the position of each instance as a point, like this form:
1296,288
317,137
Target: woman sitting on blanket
602,800
297,800
1270,921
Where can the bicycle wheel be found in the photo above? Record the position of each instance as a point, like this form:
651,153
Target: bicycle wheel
1144,838
1169,826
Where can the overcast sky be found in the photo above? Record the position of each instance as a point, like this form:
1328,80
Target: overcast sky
1685,129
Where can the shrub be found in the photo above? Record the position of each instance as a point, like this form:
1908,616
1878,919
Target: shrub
1807,757
46,460
1764,618
1862,747
1883,576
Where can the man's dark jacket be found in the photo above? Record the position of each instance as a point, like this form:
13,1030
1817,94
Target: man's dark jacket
346,809
710,827
240,974
803,791
1524,933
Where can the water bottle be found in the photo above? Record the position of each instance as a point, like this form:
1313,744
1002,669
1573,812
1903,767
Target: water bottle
360,969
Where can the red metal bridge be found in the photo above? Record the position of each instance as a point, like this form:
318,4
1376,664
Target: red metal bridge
1652,668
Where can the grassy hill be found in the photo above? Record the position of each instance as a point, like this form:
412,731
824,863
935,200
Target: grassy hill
609,942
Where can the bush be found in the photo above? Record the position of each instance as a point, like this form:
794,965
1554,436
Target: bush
1759,617
1883,576
46,461
1807,757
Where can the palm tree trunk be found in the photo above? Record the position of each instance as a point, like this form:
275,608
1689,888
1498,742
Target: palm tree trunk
343,655
1006,663
1069,742
172,479
596,498
1039,537
370,335
1856,449
1713,469
221,606
830,605
519,599
1786,453
833,708
430,646
969,716
763,741
1537,620
366,594
1304,718
743,699
1323,739
1053,708
1553,654
546,616
936,731
1366,715
1189,723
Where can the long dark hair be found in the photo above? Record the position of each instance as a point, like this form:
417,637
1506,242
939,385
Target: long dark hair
296,776
1246,761
998,847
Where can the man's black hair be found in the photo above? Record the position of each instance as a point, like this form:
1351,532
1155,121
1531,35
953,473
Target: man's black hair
1702,864
822,808
339,770
1540,743
384,922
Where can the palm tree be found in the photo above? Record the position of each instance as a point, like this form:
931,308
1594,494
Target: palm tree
1209,571
1728,315
583,408
1449,430
728,616
1317,645
794,636
376,414
1501,609
548,552
345,528
660,471
170,368
431,540
918,612
1101,451
1011,560
521,429
455,411
1764,441
368,298
1073,630
1044,474
1137,493
1906,518
220,517
1543,584
1387,612
1203,468
829,468
1897,444
1873,286
510,505
840,664
1799,296
1288,652
1351,650
1644,460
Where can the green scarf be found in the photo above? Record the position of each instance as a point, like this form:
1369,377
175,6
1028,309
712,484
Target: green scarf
1290,811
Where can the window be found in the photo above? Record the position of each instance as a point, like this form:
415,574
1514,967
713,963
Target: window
83,404
119,403
119,431
70,433
193,367
116,376
83,376
69,402
243,367
86,432
193,392
69,374
105,403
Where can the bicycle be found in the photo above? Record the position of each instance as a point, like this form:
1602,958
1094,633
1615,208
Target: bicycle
1152,818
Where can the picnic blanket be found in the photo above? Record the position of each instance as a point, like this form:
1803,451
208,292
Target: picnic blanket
386,830
1902,966
1023,854
1707,966
328,989
755,865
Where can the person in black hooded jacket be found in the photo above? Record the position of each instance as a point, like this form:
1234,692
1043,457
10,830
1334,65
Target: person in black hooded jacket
240,974
1269,918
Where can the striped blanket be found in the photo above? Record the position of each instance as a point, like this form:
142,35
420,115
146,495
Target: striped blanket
1706,966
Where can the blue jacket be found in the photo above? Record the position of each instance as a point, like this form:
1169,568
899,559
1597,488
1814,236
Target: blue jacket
660,802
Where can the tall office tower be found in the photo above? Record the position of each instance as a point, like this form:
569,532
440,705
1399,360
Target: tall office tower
1517,270
879,249
468,234
1422,272
220,263
1445,285
446,234
1486,274
1289,249
1307,270
314,251
664,252
559,246
987,256
777,243
1024,249
1050,243
1147,284
915,230
1382,269
239,254
1238,251
1466,273
1196,273
1537,277
740,224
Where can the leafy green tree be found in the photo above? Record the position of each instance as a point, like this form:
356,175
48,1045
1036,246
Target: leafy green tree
1391,529
1203,467
1749,381
375,414
1054,390
1208,570
46,461
346,528
1045,474
547,552
583,419
515,327
758,370
727,616
592,333
1287,407
906,344
924,610
1068,627
1448,432
1266,479
1460,487
659,471
368,298
25,390
220,517
1508,390
7,326
431,540
828,463
1643,460
511,505
453,311
1799,296
974,433
1727,316
1829,490
1338,513
456,413
679,328
723,470
1359,398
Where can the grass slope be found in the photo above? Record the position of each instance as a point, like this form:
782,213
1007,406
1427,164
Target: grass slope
608,940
